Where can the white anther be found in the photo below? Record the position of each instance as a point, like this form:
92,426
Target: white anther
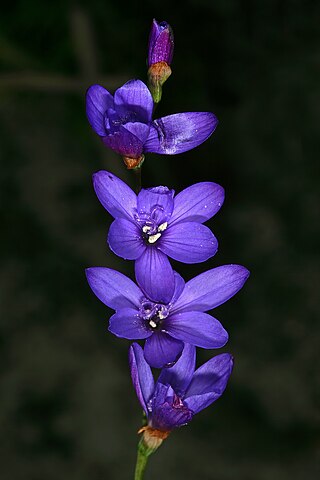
154,238
152,324
146,229
161,316
162,227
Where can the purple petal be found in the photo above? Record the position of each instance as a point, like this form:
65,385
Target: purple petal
197,328
111,121
180,132
156,29
154,275
125,143
126,323
209,382
113,288
188,242
158,200
125,239
140,130
179,376
141,375
162,394
134,96
160,349
98,100
115,195
211,288
197,203
179,284
160,43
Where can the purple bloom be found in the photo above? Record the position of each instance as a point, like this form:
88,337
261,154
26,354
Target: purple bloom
124,122
155,224
160,43
167,326
180,392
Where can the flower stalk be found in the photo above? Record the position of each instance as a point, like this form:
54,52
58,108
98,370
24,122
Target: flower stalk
149,443
137,174
142,460
151,227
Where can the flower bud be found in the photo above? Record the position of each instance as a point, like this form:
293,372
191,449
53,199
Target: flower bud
160,43
159,57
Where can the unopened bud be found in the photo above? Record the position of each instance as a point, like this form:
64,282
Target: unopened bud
161,43
160,54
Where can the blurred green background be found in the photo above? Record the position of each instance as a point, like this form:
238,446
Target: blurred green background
67,407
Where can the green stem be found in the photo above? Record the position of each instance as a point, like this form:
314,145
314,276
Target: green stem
137,174
142,459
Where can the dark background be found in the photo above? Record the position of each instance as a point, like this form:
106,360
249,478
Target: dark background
67,407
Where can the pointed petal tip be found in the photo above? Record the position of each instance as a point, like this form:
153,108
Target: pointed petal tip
114,194
240,270
135,347
226,338
226,359
93,87
88,272
97,176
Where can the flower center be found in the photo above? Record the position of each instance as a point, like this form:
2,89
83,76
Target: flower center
115,119
152,224
177,402
153,313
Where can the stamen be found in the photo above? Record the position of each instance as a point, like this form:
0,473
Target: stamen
154,238
162,227
146,229
152,324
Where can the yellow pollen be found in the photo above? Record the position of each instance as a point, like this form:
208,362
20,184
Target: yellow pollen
154,238
162,227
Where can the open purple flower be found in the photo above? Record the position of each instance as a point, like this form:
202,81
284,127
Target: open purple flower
154,225
124,122
167,326
180,392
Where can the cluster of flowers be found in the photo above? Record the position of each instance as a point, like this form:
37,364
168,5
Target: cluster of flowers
161,308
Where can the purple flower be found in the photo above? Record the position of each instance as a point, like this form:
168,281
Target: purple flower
180,392
124,122
167,326
161,43
155,224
